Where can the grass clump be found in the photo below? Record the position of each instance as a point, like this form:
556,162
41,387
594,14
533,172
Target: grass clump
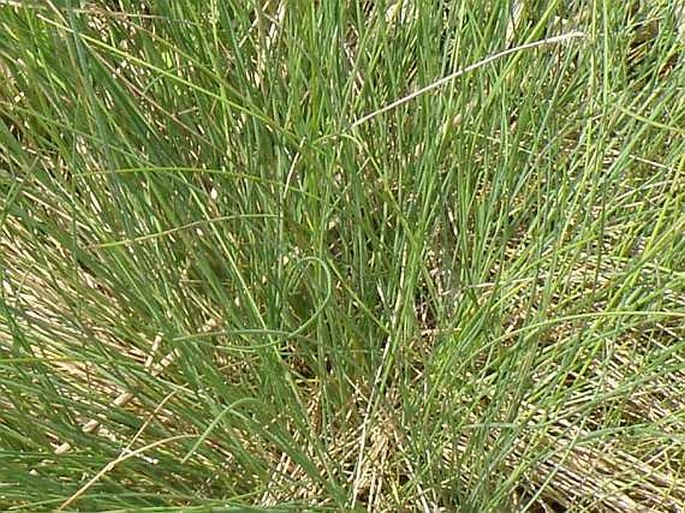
234,279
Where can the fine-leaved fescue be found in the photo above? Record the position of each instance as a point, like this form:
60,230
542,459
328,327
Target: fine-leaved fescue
342,256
